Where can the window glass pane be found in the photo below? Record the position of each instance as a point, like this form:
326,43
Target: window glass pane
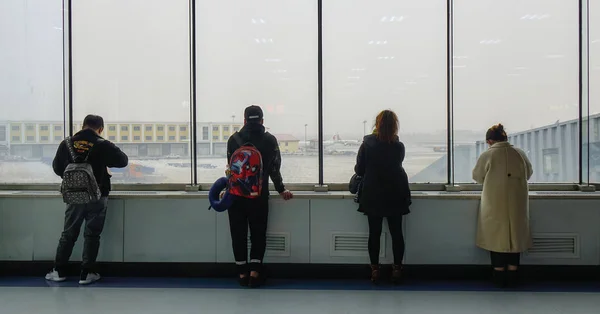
31,88
266,54
516,63
384,55
131,66
594,95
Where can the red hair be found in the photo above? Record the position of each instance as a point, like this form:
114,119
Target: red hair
386,126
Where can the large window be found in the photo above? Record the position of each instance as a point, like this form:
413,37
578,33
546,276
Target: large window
592,140
260,52
385,55
31,88
131,65
516,62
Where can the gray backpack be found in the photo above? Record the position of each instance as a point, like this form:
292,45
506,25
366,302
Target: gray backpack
79,184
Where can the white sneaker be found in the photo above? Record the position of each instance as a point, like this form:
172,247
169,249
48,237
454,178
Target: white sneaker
55,276
90,278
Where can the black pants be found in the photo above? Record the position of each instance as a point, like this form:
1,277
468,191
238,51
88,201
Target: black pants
501,260
94,215
254,213
395,226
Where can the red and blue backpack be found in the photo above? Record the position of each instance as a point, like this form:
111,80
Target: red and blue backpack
244,179
245,170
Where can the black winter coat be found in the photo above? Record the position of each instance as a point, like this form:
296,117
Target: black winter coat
103,154
385,190
269,149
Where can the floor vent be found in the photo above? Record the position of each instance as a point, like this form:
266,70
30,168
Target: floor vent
353,244
38,192
555,245
558,192
278,244
135,193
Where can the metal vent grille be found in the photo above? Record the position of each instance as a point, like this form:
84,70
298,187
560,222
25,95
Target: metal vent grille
555,245
278,244
38,192
559,193
135,192
353,244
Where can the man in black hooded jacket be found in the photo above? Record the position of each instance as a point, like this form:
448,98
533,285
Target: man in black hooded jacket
101,154
254,212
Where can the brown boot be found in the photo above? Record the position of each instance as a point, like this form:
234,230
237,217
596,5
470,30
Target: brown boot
396,274
375,274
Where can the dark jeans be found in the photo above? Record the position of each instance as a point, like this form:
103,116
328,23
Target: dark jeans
254,213
395,226
501,260
94,215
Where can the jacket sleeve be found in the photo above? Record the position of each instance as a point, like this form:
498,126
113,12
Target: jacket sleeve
230,148
481,169
359,168
275,173
528,167
402,152
61,160
114,156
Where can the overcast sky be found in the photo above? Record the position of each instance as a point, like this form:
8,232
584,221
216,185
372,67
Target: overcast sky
516,61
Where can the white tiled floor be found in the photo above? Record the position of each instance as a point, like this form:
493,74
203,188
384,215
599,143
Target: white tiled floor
175,301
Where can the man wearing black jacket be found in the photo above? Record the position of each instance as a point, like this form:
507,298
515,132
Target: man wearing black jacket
254,212
101,154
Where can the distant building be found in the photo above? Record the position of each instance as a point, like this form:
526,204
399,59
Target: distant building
138,139
553,151
288,144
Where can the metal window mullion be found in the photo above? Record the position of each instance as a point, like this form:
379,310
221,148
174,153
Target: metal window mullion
67,68
320,86
193,118
450,91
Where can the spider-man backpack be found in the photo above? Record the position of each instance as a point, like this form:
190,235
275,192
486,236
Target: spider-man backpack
246,170
244,177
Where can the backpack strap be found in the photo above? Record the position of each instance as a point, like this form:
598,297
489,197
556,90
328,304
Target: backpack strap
69,143
238,139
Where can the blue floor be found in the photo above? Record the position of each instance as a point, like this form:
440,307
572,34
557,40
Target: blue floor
201,283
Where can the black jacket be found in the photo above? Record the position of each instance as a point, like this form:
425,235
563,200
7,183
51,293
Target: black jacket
269,149
385,190
103,154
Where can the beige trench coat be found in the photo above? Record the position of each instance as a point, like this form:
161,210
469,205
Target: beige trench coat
503,222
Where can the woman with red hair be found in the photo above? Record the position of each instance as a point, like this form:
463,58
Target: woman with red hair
385,191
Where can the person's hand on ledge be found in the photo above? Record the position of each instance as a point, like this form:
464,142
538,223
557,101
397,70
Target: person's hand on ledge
287,195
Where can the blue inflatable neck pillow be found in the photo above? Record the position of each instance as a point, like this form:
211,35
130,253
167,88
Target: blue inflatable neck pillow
216,202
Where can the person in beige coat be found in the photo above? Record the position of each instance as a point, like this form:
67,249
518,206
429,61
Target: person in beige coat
503,222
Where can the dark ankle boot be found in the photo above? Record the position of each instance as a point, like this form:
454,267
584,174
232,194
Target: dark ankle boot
512,278
375,274
396,274
499,278
244,281
256,282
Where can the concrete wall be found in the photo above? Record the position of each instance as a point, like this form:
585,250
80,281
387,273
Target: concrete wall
304,230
